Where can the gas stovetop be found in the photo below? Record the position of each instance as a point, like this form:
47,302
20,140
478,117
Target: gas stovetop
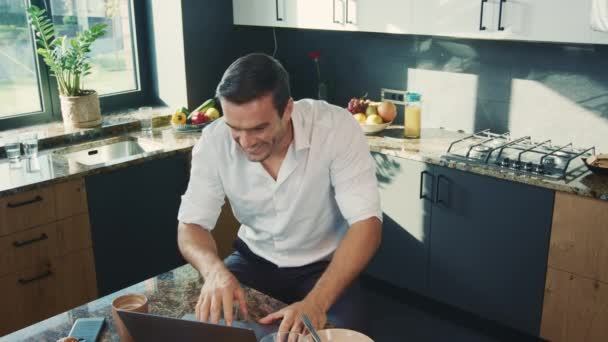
521,156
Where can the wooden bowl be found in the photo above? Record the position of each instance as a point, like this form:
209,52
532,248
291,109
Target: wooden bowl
594,167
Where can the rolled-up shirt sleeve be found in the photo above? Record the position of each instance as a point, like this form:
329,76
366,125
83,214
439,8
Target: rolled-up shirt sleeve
353,174
204,197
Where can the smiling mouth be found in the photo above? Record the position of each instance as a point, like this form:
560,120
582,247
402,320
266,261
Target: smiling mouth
254,150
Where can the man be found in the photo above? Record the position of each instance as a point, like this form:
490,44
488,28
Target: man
301,181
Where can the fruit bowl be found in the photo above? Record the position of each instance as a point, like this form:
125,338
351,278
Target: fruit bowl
189,127
374,128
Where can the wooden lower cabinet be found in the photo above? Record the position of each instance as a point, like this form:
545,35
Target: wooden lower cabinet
576,289
579,236
27,248
39,292
575,308
76,279
27,296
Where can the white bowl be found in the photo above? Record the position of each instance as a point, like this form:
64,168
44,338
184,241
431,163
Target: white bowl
342,335
374,128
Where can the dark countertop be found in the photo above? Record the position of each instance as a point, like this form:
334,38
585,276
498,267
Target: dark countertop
171,294
429,148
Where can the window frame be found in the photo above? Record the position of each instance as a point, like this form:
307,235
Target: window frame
47,85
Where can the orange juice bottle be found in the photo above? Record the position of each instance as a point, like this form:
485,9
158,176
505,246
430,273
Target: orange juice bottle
413,111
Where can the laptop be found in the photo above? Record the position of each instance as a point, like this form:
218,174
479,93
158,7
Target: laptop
148,327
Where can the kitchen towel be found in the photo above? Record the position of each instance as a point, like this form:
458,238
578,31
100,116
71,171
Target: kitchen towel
599,15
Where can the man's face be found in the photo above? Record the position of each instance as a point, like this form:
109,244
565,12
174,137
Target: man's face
256,126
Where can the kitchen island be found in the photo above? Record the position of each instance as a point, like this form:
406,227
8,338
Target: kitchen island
171,294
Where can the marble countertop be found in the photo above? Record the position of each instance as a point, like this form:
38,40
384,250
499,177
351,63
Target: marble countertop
52,167
171,294
435,142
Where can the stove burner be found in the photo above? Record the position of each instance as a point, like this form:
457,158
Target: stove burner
481,149
524,155
540,169
549,161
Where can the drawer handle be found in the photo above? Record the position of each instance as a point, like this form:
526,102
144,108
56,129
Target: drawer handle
21,204
18,244
48,273
500,27
481,27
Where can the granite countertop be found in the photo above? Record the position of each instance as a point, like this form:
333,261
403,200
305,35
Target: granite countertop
435,142
53,167
171,294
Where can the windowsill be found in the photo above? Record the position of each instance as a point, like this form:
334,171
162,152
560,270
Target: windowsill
55,134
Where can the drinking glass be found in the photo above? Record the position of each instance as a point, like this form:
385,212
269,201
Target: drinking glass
12,146
145,118
30,144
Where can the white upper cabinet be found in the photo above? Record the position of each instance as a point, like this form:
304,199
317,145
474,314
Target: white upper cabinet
389,16
262,12
319,14
528,20
598,37
546,20
462,18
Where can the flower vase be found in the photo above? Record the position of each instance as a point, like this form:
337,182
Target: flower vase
322,91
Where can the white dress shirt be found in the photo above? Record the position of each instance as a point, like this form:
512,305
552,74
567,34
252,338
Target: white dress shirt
326,182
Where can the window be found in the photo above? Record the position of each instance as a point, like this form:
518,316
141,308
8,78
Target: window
18,71
29,95
112,55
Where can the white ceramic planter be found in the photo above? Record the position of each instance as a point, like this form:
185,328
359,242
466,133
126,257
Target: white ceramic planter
81,111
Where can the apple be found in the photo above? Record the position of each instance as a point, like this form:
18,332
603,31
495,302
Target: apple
387,110
360,117
373,120
212,113
199,118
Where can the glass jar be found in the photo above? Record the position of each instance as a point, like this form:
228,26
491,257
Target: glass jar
413,111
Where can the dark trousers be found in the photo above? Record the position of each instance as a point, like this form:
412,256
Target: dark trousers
292,284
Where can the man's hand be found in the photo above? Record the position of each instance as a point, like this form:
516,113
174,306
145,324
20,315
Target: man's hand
291,316
219,292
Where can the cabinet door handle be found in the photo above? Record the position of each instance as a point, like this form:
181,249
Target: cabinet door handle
18,244
481,27
348,20
277,7
438,199
421,193
500,27
22,281
337,21
21,204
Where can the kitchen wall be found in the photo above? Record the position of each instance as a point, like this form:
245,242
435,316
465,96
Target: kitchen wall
548,91
192,43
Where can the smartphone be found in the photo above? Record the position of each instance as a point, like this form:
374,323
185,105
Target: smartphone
87,329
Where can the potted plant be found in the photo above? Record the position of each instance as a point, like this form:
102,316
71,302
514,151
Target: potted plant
69,64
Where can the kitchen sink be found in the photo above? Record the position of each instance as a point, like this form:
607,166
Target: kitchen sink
108,151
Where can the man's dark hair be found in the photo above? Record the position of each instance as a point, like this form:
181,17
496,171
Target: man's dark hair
253,76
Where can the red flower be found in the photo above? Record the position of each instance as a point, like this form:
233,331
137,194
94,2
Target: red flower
314,55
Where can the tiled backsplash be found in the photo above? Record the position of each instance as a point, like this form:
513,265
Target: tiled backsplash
552,91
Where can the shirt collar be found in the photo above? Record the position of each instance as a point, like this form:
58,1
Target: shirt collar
301,133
